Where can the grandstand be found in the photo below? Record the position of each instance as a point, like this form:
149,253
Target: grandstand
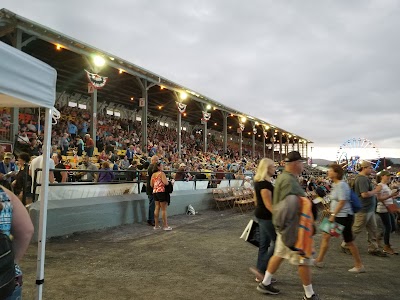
136,95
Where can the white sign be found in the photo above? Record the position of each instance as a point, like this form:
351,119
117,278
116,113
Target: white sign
142,102
91,191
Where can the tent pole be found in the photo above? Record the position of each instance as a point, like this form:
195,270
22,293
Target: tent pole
43,198
38,131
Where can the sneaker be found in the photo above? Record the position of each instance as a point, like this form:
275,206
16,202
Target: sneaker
167,228
389,250
156,227
357,270
313,297
377,253
267,289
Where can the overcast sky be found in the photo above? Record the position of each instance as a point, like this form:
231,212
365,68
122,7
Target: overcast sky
325,70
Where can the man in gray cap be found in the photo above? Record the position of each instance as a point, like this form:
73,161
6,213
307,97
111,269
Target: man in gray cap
285,185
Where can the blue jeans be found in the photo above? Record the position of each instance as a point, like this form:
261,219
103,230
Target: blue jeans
267,244
152,207
388,226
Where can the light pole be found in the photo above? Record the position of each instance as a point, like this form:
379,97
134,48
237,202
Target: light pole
241,125
205,134
182,96
98,62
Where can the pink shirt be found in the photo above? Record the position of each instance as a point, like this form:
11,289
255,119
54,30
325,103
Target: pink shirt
158,185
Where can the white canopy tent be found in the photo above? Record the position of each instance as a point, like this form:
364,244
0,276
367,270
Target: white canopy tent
28,82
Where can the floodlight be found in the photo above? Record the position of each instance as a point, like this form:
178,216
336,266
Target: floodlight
183,95
98,61
208,106
243,119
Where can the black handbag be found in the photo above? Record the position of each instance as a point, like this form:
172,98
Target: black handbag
251,233
169,188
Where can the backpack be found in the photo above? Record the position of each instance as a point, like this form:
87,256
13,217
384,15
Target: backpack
7,267
190,210
355,202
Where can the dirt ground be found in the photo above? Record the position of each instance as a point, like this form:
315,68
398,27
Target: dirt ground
202,258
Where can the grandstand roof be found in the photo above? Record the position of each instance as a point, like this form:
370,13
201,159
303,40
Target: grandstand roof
72,57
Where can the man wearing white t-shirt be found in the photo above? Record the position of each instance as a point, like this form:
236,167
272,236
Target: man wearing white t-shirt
37,163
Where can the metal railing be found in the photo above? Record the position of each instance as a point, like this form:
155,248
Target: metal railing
139,176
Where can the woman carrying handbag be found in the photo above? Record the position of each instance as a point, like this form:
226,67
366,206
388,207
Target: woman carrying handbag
263,192
342,213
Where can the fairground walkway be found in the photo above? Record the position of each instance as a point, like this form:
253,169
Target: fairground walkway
202,258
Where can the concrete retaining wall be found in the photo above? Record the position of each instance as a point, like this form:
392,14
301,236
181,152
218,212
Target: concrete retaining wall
76,215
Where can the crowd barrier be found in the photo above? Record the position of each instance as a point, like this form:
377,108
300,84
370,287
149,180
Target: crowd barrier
120,185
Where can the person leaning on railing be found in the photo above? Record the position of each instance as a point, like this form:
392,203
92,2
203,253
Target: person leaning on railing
106,176
87,176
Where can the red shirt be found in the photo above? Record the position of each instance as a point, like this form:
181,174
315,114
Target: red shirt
89,143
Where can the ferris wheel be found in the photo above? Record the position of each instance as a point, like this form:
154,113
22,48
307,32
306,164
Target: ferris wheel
352,152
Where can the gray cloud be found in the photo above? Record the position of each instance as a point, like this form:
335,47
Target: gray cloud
325,70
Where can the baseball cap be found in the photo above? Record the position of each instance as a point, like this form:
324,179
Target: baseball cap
293,156
182,165
8,155
384,173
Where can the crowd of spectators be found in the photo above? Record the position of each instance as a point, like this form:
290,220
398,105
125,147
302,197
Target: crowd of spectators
118,142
